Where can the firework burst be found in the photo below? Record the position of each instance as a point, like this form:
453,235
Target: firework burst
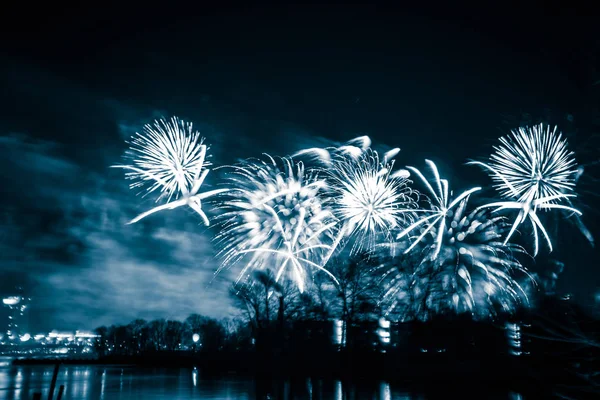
169,157
466,268
441,205
533,170
275,218
369,199
532,163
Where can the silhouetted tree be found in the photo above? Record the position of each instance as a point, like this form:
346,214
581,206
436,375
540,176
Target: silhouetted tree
138,336
212,333
355,296
157,334
256,297
173,334
101,344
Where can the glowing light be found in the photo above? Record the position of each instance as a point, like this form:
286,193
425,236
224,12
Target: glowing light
11,301
384,331
532,163
513,333
276,217
172,158
440,207
338,331
25,337
534,171
368,198
195,337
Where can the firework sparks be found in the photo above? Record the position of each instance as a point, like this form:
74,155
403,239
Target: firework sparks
434,219
368,198
276,216
353,149
533,170
531,164
171,157
472,270
528,209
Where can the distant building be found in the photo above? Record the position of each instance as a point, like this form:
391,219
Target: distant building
17,323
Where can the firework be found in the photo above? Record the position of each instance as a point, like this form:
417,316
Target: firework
434,218
465,268
169,157
368,198
353,149
531,164
533,170
275,217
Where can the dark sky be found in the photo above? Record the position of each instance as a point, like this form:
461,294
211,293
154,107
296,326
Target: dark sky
77,82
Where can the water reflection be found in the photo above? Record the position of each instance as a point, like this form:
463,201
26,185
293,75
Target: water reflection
104,383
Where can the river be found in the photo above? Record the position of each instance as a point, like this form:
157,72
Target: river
119,383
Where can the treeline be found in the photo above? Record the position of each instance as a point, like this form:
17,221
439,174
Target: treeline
196,333
277,318
272,316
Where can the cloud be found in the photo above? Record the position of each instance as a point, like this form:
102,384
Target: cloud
66,232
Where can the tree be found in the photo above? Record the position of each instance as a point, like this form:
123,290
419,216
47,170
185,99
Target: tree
173,334
355,296
157,334
138,336
212,333
102,344
255,297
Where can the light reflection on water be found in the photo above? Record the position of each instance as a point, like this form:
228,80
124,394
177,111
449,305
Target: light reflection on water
112,382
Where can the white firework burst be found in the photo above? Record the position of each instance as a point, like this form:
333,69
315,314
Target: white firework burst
276,216
368,197
532,163
473,271
169,157
440,206
533,170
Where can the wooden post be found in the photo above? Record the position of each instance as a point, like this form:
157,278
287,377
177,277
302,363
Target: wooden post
61,390
37,396
53,384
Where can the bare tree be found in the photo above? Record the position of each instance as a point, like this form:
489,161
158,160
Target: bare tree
212,333
354,298
157,334
256,297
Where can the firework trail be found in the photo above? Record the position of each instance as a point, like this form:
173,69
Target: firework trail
275,218
169,157
532,169
353,148
440,206
465,268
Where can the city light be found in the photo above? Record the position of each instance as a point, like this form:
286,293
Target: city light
338,332
384,331
11,301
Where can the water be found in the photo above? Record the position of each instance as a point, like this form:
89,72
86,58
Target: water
116,383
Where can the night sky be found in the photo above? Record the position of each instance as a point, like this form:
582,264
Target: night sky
76,83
